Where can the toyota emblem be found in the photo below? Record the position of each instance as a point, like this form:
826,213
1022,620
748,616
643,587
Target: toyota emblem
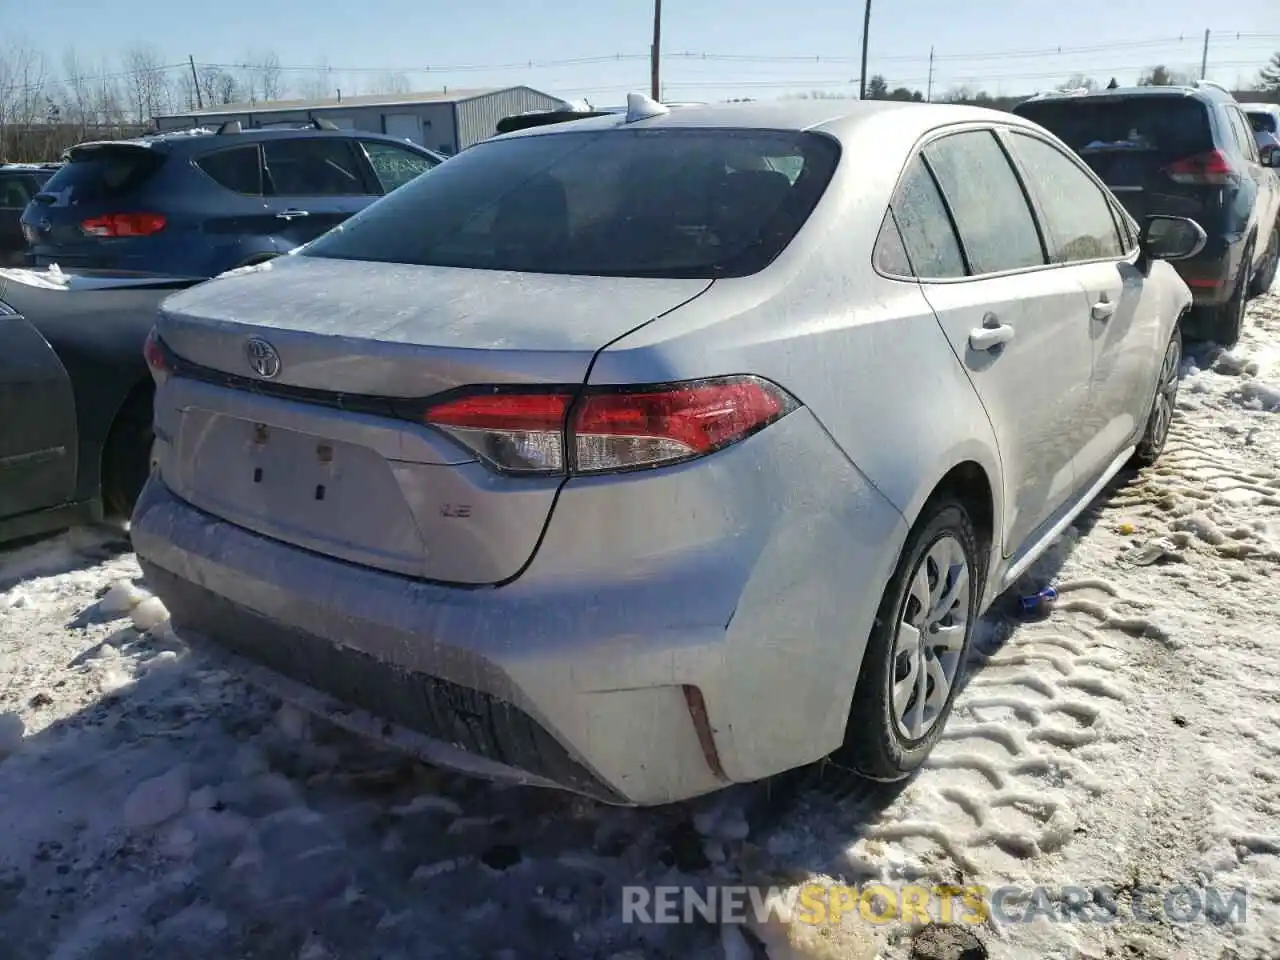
263,357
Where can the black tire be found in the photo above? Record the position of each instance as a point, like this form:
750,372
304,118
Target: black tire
126,458
874,746
1225,322
1266,273
1163,403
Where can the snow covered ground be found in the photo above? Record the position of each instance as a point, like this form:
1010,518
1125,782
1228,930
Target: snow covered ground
152,805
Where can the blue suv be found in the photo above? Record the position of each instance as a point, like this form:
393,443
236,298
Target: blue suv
196,203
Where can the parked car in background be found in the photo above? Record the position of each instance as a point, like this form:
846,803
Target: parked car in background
1264,118
199,203
19,182
604,502
1184,151
75,396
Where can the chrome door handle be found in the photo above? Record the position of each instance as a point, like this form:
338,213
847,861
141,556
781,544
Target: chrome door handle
1104,309
291,214
990,335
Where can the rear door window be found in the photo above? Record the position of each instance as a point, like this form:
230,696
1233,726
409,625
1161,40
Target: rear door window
920,214
238,169
1243,135
394,166
315,167
991,212
1079,221
103,174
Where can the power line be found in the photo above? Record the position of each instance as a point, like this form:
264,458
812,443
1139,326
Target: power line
1235,38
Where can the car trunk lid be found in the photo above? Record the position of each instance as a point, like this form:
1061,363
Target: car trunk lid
331,452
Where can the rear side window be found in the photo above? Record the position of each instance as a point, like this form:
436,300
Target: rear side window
1243,135
638,203
1171,125
997,230
927,234
238,169
313,168
103,174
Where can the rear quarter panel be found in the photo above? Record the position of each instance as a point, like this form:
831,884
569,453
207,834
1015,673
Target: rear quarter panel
866,357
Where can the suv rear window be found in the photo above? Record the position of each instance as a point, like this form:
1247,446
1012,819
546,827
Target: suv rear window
103,174
1172,125
634,203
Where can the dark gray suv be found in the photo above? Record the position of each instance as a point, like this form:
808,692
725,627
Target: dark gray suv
1187,152
197,203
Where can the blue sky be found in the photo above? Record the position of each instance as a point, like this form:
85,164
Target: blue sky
1003,46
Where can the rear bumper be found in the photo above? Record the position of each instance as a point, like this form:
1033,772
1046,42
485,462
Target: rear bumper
574,675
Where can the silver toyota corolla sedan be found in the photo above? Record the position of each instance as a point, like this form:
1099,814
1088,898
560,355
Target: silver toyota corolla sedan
659,451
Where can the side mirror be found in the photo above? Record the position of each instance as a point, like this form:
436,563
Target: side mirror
1171,238
1271,156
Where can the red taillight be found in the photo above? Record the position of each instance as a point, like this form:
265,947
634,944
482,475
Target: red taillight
154,354
124,225
1204,168
610,429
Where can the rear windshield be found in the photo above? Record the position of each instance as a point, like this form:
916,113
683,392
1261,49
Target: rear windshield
97,175
1262,122
625,203
1169,125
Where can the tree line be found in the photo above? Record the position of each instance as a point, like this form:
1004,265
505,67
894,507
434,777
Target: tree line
47,105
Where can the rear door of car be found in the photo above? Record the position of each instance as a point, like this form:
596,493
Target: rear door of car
1018,326
37,420
313,184
239,216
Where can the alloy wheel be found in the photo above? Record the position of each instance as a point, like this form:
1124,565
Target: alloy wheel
930,637
1166,394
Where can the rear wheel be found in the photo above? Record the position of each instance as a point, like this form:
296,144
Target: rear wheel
1266,272
918,646
126,459
1162,405
1226,321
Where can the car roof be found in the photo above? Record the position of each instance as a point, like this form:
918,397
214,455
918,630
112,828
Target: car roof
204,136
837,117
1207,92
1273,108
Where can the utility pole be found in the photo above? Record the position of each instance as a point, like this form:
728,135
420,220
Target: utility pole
1204,57
655,53
195,81
866,25
928,96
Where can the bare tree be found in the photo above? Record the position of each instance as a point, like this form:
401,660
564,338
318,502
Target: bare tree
1078,81
24,89
317,84
392,83
147,80
261,76
1162,76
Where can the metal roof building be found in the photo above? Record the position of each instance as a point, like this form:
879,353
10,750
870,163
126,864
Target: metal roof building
445,121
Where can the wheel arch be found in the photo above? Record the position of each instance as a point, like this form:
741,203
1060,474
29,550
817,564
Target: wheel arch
140,393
